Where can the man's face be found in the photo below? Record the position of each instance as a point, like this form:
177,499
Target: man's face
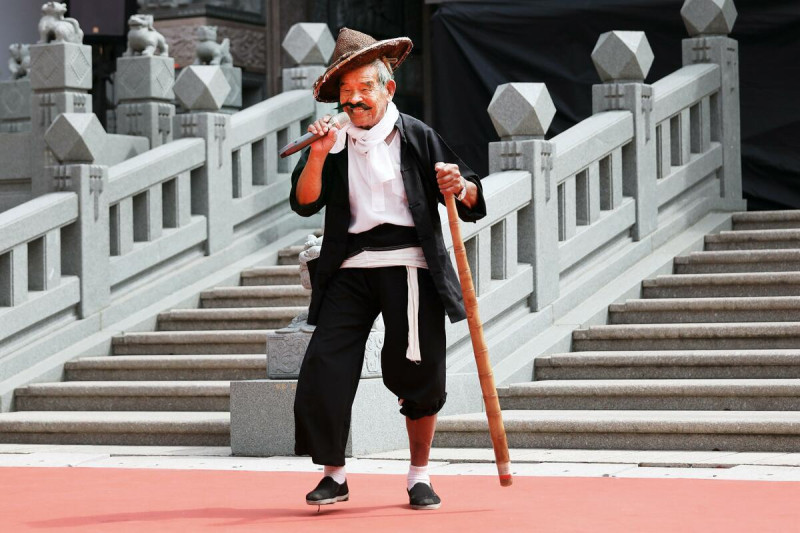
363,97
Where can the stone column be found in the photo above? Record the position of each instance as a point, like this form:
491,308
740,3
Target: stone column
144,94
310,45
77,140
709,22
61,77
521,114
201,90
623,59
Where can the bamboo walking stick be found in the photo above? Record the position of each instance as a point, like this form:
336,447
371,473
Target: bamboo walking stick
490,400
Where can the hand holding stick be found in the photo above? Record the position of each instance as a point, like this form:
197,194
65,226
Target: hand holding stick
490,399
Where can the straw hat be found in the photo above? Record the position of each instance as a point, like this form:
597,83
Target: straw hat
355,49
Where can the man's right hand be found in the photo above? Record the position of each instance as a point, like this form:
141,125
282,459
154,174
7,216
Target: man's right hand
325,144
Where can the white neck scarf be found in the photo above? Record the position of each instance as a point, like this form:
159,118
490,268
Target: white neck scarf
370,153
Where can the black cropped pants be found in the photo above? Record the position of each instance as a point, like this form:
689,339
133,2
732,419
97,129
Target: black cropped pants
332,365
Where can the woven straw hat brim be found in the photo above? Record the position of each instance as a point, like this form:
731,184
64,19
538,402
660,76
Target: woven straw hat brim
326,88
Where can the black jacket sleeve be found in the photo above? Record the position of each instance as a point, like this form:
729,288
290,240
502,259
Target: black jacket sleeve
306,210
439,151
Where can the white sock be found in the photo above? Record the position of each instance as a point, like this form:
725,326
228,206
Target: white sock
336,473
418,474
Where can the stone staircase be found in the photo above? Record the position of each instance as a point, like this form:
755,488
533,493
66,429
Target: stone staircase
707,359
170,386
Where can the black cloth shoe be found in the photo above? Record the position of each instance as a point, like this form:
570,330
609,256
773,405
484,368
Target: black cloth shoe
421,496
328,492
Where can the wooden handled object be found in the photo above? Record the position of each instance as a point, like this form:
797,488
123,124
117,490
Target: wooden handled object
490,399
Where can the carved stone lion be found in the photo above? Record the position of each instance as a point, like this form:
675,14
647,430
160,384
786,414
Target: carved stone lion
209,51
53,27
143,39
20,61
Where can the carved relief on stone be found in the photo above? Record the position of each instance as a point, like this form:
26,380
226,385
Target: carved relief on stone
53,27
143,39
208,51
20,61
247,44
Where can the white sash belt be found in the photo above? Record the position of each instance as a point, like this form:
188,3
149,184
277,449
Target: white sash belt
412,259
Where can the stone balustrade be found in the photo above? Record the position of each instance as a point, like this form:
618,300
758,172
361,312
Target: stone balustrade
565,214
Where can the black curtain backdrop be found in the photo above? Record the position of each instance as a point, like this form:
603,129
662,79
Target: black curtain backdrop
478,46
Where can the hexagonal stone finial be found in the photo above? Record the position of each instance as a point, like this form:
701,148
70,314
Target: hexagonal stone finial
621,56
76,137
708,17
309,43
202,88
521,110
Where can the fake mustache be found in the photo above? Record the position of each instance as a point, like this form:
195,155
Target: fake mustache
358,105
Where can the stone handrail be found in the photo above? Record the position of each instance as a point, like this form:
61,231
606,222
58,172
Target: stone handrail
649,155
150,216
31,282
260,177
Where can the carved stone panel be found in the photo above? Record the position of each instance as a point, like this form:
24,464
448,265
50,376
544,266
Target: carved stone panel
248,43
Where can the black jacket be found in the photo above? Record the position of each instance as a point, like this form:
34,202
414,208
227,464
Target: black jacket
421,148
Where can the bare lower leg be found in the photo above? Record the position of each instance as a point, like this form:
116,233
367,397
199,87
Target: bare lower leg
420,438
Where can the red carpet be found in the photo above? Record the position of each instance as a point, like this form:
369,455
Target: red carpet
189,501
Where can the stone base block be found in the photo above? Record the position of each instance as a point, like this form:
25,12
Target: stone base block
262,415
147,119
46,106
145,78
15,126
299,78
15,100
61,66
285,353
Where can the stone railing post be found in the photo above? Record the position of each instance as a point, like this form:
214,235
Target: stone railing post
623,59
310,46
144,94
522,113
709,22
61,78
76,140
201,90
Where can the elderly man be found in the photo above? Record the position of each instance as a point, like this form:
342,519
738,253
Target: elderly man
380,179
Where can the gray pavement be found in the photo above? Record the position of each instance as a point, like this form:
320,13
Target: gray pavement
745,466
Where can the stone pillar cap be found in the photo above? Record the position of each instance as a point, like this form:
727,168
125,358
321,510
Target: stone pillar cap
309,43
521,110
622,56
708,17
202,88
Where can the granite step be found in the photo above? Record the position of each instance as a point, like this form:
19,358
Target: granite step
733,261
655,394
756,220
227,367
722,285
706,310
762,239
672,364
762,431
255,296
289,255
228,319
133,428
124,396
733,336
191,342
271,275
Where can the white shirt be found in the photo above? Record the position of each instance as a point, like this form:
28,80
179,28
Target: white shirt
363,213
